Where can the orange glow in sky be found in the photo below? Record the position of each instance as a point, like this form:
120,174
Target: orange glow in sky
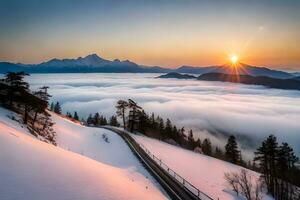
155,33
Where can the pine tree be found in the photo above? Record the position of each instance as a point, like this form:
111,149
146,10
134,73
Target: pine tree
113,121
168,129
266,155
89,120
69,115
75,116
103,121
161,127
39,106
52,106
57,108
219,153
286,161
175,134
231,150
133,115
42,93
96,120
198,143
191,140
152,121
17,85
206,147
121,110
144,123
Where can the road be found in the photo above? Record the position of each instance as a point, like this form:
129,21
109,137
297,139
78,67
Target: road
174,189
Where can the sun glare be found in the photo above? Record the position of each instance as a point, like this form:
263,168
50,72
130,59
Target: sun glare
234,59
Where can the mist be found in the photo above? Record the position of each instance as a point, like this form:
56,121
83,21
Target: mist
211,109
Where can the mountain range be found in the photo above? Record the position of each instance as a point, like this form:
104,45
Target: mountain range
95,64
287,84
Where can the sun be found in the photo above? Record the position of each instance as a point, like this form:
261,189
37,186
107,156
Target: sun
234,59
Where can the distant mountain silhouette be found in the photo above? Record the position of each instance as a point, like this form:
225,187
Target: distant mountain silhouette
291,84
93,64
242,69
252,80
296,78
177,75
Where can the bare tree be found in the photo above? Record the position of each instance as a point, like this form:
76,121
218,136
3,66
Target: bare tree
233,180
245,184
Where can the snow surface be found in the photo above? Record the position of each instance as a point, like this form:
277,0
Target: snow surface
83,166
204,172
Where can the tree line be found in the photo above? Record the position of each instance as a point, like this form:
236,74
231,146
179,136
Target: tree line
135,118
16,95
156,127
277,164
92,120
279,173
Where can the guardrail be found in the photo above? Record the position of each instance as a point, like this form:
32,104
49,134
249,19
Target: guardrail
186,184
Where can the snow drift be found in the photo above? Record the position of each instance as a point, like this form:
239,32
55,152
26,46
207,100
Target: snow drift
204,172
32,169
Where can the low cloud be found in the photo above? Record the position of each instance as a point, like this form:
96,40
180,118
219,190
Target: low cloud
251,112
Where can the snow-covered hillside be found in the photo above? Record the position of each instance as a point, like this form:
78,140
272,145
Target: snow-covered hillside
83,166
204,172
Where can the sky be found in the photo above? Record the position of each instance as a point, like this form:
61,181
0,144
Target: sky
159,32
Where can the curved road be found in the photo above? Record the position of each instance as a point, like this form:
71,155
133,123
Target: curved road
174,189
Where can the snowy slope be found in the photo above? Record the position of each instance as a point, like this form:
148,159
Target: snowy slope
31,169
205,172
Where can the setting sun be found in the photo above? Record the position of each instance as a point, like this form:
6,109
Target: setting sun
234,59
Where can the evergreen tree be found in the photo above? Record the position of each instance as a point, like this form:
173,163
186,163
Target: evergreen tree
191,140
103,121
52,106
277,165
89,120
17,85
181,136
161,127
152,121
75,116
39,106
198,143
69,115
206,147
121,110
144,123
57,108
113,121
168,129
266,155
232,153
286,161
96,120
42,93
133,115
175,134
219,153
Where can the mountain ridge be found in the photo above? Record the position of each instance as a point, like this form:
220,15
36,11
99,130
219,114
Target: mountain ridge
287,84
92,63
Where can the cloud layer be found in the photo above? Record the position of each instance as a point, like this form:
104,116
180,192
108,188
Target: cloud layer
251,112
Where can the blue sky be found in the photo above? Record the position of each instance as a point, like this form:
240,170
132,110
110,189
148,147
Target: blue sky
168,33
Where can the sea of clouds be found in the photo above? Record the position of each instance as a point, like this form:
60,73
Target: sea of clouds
211,109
